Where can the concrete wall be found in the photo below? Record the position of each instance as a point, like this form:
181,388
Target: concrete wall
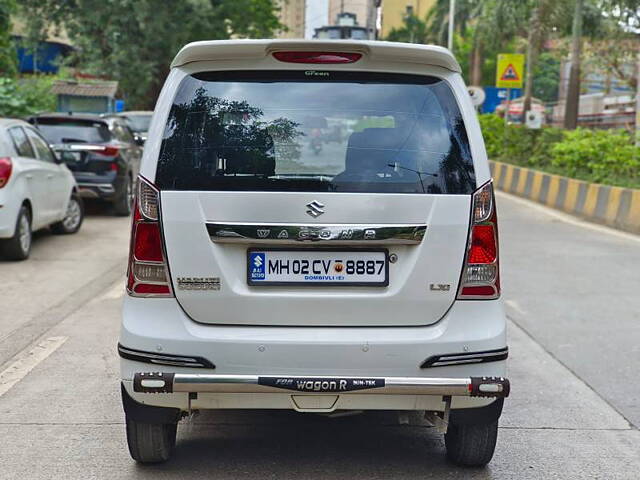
613,206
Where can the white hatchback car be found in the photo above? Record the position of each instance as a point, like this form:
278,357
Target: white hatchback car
36,190
315,229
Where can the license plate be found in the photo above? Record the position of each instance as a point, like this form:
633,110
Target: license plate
318,267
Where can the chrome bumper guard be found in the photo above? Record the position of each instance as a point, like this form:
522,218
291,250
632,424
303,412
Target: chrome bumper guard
158,382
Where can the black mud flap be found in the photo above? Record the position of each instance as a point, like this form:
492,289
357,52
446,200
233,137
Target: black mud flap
140,412
479,415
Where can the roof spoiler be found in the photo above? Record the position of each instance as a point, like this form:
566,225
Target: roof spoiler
258,49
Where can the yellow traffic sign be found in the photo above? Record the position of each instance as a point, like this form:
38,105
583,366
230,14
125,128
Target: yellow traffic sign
510,71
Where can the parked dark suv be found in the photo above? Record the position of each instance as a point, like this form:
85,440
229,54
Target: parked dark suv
100,151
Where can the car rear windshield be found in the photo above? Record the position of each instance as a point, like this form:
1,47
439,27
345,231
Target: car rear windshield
138,123
315,131
58,131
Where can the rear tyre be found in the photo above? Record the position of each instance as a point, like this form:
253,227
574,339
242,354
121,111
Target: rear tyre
151,442
471,445
18,247
124,203
73,218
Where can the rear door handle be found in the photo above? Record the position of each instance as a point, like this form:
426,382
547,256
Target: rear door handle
50,176
29,176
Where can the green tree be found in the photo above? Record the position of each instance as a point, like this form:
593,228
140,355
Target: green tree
573,89
546,77
545,16
613,46
133,41
414,30
489,24
19,98
7,50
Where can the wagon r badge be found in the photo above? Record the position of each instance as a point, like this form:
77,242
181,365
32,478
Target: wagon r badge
439,287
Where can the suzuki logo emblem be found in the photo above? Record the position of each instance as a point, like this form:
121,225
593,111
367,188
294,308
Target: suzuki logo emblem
263,232
315,209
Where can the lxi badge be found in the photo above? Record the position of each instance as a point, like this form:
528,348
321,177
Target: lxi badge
257,266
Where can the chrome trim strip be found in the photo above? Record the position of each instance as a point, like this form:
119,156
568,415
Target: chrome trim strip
149,382
103,187
464,358
344,234
163,359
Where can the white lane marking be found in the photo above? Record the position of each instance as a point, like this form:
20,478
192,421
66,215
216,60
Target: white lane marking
567,218
27,362
513,304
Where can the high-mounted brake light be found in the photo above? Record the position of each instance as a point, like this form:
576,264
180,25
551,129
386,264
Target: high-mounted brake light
5,170
481,272
317,57
147,275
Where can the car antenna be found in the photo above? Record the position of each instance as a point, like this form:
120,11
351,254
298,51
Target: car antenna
396,166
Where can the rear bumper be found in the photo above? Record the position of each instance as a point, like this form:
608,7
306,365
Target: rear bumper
8,218
488,387
96,190
97,186
222,363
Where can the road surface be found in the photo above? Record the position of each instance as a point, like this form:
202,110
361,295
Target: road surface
572,297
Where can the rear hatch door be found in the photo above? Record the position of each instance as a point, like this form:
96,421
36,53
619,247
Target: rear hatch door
281,167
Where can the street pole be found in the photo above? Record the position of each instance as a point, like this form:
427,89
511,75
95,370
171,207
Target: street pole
572,103
638,104
452,14
506,112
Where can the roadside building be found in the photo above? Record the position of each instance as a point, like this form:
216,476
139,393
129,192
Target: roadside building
345,27
85,97
291,13
46,56
395,11
605,102
366,11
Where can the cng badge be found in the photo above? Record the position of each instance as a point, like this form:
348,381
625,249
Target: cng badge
257,266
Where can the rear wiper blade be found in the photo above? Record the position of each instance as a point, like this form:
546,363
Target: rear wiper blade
397,166
302,176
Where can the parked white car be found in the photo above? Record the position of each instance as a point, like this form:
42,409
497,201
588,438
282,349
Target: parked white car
36,190
315,229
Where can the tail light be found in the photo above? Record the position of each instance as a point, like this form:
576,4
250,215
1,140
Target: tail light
317,57
481,272
108,151
104,150
147,275
5,170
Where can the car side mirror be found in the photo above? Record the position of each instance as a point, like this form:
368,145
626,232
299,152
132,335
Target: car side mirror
139,139
57,157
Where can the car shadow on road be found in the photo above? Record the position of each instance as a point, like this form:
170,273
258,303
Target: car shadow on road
281,444
97,208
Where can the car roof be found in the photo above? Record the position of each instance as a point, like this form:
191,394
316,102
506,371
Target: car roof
134,112
376,50
10,122
70,116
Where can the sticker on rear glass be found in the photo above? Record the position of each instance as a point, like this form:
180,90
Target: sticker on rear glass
257,264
